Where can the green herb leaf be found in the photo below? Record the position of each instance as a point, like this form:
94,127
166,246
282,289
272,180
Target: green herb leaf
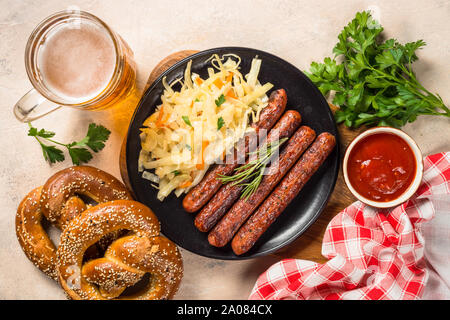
373,83
82,143
188,147
220,123
52,154
79,155
41,133
95,139
186,120
176,172
97,136
219,101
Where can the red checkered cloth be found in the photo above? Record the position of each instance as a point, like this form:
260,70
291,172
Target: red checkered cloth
375,253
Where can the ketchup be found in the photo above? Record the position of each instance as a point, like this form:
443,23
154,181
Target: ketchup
381,167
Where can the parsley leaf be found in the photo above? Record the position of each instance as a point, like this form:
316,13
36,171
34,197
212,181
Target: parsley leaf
79,155
373,83
220,123
41,133
97,135
78,150
52,154
186,120
219,101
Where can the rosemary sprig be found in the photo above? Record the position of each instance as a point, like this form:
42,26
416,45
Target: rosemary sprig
250,175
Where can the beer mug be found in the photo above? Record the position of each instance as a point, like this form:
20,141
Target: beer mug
74,59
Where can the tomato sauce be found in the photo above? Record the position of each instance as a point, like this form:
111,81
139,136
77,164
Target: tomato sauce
381,167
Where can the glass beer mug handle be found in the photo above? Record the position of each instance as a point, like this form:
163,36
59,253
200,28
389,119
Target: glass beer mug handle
33,106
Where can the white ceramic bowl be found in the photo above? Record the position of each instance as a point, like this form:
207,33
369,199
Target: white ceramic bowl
419,167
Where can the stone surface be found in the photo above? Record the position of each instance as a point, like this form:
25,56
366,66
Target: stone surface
297,31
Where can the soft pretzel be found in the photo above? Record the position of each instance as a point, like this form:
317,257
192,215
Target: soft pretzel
31,235
91,182
58,201
125,261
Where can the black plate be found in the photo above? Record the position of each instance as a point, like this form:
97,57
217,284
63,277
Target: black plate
303,96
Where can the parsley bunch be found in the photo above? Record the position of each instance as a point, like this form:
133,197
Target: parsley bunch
374,84
78,150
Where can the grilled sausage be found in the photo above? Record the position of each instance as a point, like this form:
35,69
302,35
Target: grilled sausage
198,196
229,193
243,208
283,194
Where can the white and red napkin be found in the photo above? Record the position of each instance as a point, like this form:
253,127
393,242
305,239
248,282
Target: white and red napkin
400,253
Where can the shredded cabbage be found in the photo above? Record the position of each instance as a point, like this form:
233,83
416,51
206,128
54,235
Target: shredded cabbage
198,124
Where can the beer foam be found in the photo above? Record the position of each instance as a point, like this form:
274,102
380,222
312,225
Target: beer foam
77,61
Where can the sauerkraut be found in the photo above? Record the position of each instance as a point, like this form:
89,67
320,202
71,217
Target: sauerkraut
198,124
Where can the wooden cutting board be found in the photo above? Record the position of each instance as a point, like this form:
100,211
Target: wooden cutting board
309,245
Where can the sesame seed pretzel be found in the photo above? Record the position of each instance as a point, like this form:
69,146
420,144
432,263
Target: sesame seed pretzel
32,237
91,182
126,260
58,201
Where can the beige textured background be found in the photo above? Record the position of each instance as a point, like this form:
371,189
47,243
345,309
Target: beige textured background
297,31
